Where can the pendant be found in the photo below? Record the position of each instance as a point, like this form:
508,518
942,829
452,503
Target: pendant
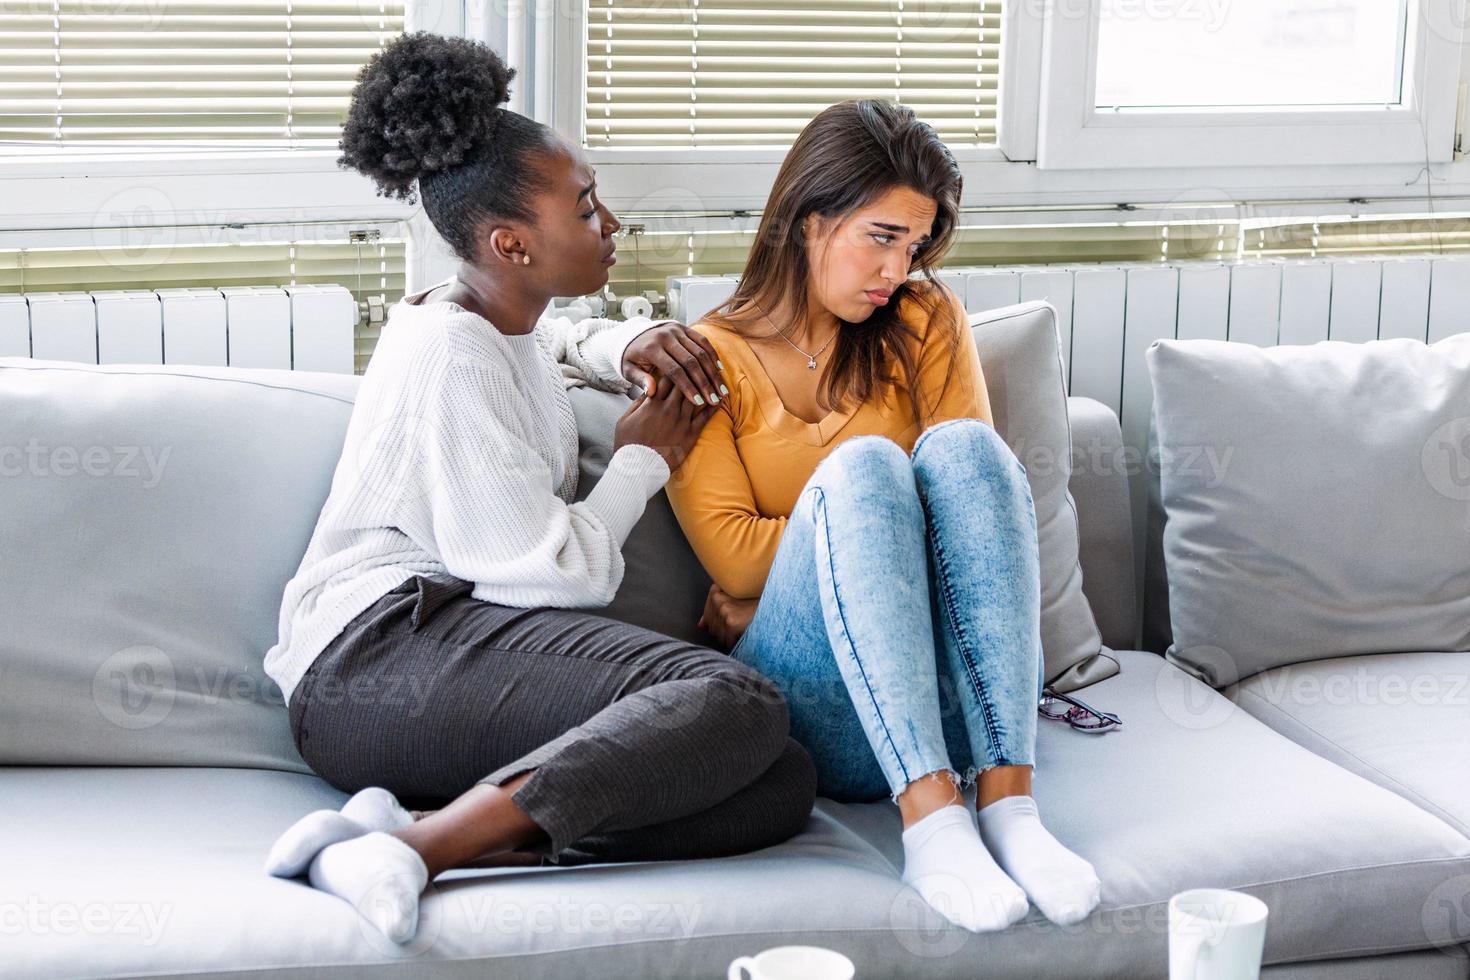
811,363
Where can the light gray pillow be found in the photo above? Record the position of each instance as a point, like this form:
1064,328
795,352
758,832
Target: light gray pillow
664,584
151,517
1021,355
1316,500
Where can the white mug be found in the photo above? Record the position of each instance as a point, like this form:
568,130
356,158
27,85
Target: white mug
1216,934
794,963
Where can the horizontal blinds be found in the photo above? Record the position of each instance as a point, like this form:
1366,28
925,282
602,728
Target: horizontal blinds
196,71
1101,242
754,72
370,270
1365,236
646,259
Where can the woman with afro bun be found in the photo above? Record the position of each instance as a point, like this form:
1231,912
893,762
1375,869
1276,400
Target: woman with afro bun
430,645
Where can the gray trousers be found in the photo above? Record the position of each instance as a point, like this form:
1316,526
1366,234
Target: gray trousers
644,747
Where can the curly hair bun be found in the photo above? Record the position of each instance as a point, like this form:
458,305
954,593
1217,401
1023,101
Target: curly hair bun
421,105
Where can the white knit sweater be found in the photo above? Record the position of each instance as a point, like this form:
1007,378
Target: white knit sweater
461,457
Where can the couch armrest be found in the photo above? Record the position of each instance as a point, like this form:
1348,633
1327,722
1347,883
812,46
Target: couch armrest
1099,486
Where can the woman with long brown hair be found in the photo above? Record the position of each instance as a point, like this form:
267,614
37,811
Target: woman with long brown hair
871,538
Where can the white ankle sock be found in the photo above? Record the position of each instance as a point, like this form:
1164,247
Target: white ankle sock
1064,886
376,809
946,863
377,874
370,809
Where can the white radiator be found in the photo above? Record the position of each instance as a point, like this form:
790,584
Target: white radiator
306,328
691,297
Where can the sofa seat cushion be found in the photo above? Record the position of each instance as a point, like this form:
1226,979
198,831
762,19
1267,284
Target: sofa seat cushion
1191,791
1401,720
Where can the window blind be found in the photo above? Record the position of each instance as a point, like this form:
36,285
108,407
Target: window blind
647,258
754,72
277,72
373,271
1359,236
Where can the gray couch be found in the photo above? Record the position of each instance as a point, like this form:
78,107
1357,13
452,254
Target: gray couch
150,517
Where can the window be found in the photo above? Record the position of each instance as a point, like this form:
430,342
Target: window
1171,83
138,73
1251,53
663,73
159,143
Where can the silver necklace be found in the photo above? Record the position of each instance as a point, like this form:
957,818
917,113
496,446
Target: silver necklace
811,359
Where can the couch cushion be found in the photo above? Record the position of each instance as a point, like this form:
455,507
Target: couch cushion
1020,351
1104,519
151,517
1399,719
169,859
664,585
1317,499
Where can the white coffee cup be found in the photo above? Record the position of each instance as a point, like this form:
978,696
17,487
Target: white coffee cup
1216,934
793,963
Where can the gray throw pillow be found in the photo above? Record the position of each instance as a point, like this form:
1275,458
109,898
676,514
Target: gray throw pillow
1021,355
1316,500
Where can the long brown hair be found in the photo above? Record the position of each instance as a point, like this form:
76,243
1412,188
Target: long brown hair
849,155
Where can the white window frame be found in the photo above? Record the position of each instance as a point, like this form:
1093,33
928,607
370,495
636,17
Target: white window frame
723,177
95,195
1010,174
1074,133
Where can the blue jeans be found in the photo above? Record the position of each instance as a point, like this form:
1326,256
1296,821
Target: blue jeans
902,582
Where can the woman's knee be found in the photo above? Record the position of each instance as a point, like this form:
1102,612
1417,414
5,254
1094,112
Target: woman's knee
868,458
866,468
794,778
750,703
973,440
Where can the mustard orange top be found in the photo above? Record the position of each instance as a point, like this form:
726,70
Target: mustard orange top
739,484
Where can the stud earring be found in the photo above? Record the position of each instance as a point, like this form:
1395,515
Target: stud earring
525,259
